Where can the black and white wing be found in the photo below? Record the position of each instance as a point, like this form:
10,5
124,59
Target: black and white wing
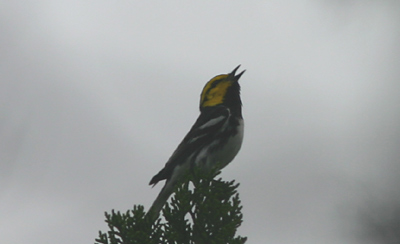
206,128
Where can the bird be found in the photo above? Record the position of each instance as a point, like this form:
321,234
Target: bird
213,141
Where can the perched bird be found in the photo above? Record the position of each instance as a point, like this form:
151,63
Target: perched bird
214,139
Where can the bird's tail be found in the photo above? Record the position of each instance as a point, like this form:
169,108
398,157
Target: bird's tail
158,204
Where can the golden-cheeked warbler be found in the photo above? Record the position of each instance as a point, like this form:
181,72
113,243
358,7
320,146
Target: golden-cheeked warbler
214,139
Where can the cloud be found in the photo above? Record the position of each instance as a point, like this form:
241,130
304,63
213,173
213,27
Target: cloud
96,96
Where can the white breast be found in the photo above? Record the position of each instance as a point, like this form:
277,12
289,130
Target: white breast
224,155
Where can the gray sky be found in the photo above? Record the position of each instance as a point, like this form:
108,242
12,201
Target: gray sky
96,95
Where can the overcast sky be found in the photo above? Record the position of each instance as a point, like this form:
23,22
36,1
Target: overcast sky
96,95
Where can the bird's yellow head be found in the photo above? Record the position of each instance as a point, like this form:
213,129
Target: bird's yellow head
222,89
